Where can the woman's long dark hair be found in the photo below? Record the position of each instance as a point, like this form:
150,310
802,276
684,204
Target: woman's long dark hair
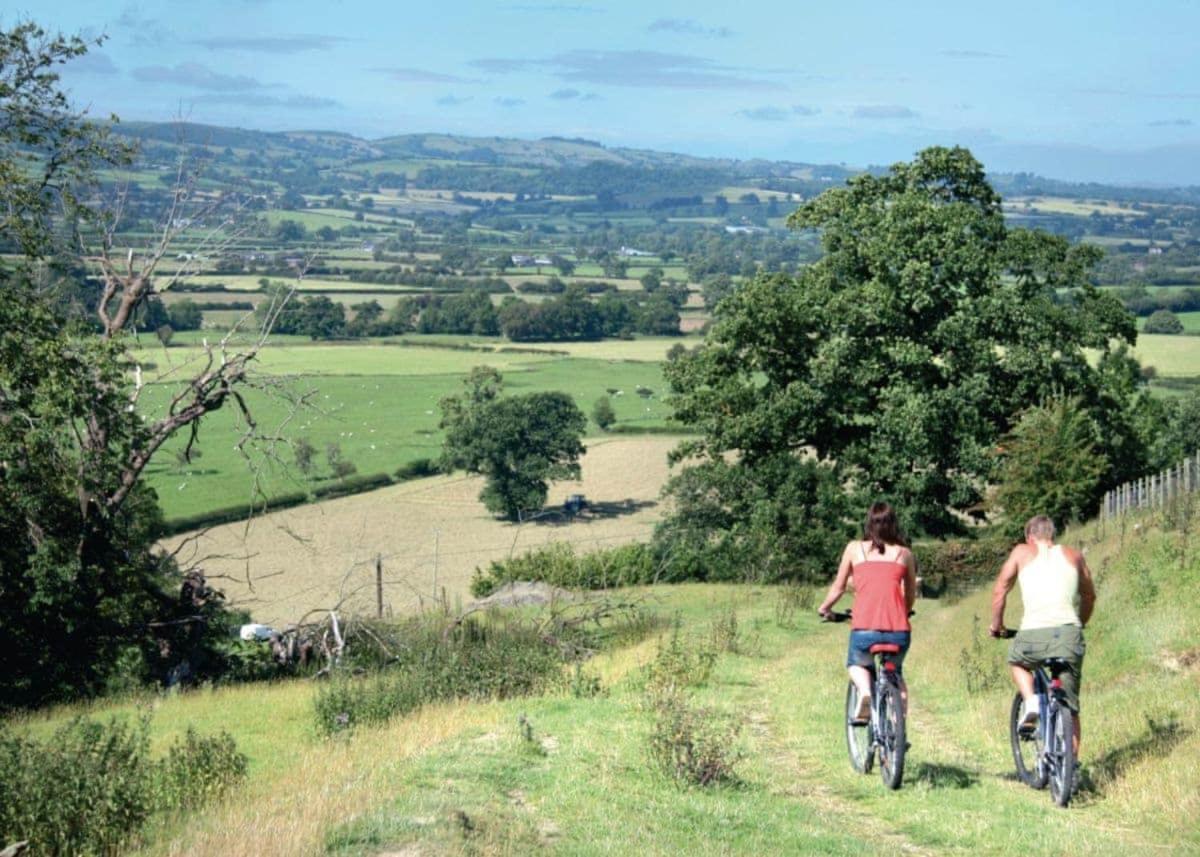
882,527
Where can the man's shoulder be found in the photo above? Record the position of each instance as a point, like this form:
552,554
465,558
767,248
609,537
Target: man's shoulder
1070,554
1022,552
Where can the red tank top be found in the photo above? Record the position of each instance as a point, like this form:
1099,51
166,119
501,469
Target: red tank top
878,598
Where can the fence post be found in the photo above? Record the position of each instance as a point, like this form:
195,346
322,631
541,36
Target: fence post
379,586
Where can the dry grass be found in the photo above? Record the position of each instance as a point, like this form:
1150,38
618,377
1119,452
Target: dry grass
292,561
327,784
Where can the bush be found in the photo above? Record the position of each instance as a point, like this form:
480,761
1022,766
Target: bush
558,565
951,567
92,786
1163,321
433,661
680,662
693,745
603,414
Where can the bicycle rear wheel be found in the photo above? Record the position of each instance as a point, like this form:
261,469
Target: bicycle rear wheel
1026,749
892,737
1062,754
858,737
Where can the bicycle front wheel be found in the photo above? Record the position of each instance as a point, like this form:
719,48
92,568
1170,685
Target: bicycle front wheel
1026,749
858,735
1062,755
892,737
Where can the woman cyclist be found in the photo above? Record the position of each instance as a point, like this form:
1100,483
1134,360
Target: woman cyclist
884,575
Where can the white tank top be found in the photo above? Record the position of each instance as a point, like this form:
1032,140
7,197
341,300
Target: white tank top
1049,585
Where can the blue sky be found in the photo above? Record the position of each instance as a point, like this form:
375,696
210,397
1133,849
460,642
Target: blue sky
1081,90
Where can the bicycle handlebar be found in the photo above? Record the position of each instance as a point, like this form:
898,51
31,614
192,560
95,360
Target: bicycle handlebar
834,616
1006,634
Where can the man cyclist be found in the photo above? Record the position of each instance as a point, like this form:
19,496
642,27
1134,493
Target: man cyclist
1052,578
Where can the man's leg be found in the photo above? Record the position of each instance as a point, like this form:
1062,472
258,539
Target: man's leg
1023,679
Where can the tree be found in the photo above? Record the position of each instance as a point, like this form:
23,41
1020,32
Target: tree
1050,465
903,354
304,452
85,593
518,443
339,465
603,414
164,335
185,315
1163,321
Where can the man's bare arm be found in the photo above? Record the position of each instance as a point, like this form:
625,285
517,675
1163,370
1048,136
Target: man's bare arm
1087,591
1004,584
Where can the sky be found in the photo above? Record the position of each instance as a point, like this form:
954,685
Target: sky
1095,90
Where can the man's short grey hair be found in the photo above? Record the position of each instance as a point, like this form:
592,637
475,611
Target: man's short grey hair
1039,527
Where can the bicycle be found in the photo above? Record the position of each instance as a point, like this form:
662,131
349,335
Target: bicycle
1046,753
884,731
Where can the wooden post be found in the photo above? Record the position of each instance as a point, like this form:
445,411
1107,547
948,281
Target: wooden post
379,585
437,535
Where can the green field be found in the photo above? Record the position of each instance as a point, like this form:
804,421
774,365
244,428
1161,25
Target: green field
584,783
1172,356
379,402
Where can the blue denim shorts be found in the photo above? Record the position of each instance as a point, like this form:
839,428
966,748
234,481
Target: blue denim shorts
860,655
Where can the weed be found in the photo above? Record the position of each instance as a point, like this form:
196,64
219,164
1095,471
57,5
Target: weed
584,685
527,742
793,600
694,745
981,671
680,662
729,635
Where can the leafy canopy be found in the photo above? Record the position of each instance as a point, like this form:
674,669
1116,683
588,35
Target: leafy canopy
519,443
907,350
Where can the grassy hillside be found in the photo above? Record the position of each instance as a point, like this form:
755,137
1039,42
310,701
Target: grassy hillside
463,779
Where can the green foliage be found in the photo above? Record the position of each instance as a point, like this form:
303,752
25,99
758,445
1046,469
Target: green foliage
435,659
519,443
603,414
340,466
304,452
90,788
775,518
1163,321
48,150
1050,465
558,565
794,600
948,568
909,348
185,315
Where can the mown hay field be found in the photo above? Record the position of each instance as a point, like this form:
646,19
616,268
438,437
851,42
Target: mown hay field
1172,356
429,533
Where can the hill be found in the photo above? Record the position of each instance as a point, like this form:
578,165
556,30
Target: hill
577,777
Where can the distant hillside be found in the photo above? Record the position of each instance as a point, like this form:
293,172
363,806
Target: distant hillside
562,153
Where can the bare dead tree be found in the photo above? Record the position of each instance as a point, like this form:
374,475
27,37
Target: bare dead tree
223,372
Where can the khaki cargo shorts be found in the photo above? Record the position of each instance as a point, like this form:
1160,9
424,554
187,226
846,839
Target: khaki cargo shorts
1033,646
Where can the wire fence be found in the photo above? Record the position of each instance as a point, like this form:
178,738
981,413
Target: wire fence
1154,491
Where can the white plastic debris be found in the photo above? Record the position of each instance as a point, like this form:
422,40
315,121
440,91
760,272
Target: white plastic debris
255,631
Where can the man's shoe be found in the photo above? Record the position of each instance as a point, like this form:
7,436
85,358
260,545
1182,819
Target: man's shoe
1029,720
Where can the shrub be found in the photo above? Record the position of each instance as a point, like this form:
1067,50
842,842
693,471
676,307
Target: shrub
91,786
952,567
680,662
603,414
694,745
433,661
793,599
1163,321
558,565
